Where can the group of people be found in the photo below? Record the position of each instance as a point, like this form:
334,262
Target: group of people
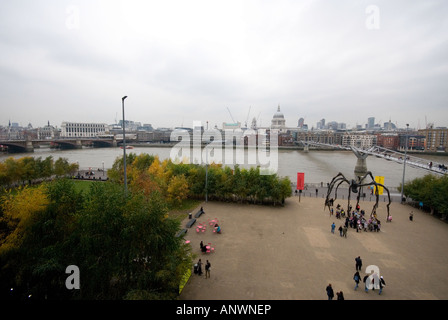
330,293
198,268
356,220
370,280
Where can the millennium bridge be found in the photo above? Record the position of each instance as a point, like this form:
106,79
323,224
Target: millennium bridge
387,154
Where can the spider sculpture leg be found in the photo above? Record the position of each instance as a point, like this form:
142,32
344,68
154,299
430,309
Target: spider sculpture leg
336,181
356,187
376,184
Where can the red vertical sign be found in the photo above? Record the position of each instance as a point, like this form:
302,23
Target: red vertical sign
300,180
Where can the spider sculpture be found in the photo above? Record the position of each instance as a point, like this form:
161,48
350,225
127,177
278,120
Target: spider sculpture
356,187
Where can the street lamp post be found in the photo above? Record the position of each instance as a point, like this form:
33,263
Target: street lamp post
206,178
206,172
404,163
124,149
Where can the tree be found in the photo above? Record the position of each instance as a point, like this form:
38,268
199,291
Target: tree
45,167
19,211
430,190
61,167
128,245
27,169
177,190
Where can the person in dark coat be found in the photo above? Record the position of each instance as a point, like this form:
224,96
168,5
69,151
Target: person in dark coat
330,292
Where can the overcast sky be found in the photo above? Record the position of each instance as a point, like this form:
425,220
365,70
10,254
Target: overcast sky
184,61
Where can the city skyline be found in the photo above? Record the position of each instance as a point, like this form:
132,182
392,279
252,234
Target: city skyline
297,124
180,62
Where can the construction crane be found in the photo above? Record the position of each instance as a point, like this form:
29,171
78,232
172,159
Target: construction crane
247,118
231,115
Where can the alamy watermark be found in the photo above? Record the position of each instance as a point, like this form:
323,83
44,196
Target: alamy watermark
373,18
256,147
72,22
73,280
373,281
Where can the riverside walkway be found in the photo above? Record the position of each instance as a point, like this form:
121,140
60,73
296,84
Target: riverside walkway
289,253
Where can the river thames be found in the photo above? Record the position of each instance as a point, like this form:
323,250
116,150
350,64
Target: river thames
318,166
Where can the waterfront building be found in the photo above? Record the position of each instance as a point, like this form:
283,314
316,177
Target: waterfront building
82,130
358,140
388,140
436,139
321,136
286,139
47,132
416,142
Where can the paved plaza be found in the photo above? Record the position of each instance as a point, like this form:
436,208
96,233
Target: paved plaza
289,253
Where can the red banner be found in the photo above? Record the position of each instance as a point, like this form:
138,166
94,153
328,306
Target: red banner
300,180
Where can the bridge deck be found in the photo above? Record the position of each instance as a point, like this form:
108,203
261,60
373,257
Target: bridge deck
390,155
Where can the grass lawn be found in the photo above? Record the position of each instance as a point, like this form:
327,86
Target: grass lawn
83,185
182,211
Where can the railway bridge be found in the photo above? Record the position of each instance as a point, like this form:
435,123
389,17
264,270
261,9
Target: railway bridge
28,145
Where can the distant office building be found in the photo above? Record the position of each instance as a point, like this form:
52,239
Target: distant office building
371,123
320,124
301,123
82,130
146,127
231,126
130,125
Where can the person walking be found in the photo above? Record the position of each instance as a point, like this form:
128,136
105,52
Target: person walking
365,280
340,295
207,269
382,284
344,232
199,267
358,263
333,226
330,292
357,278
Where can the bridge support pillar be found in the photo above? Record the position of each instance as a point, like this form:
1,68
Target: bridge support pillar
361,164
29,146
360,168
78,144
306,148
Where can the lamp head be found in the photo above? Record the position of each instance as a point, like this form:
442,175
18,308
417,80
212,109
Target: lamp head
124,98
